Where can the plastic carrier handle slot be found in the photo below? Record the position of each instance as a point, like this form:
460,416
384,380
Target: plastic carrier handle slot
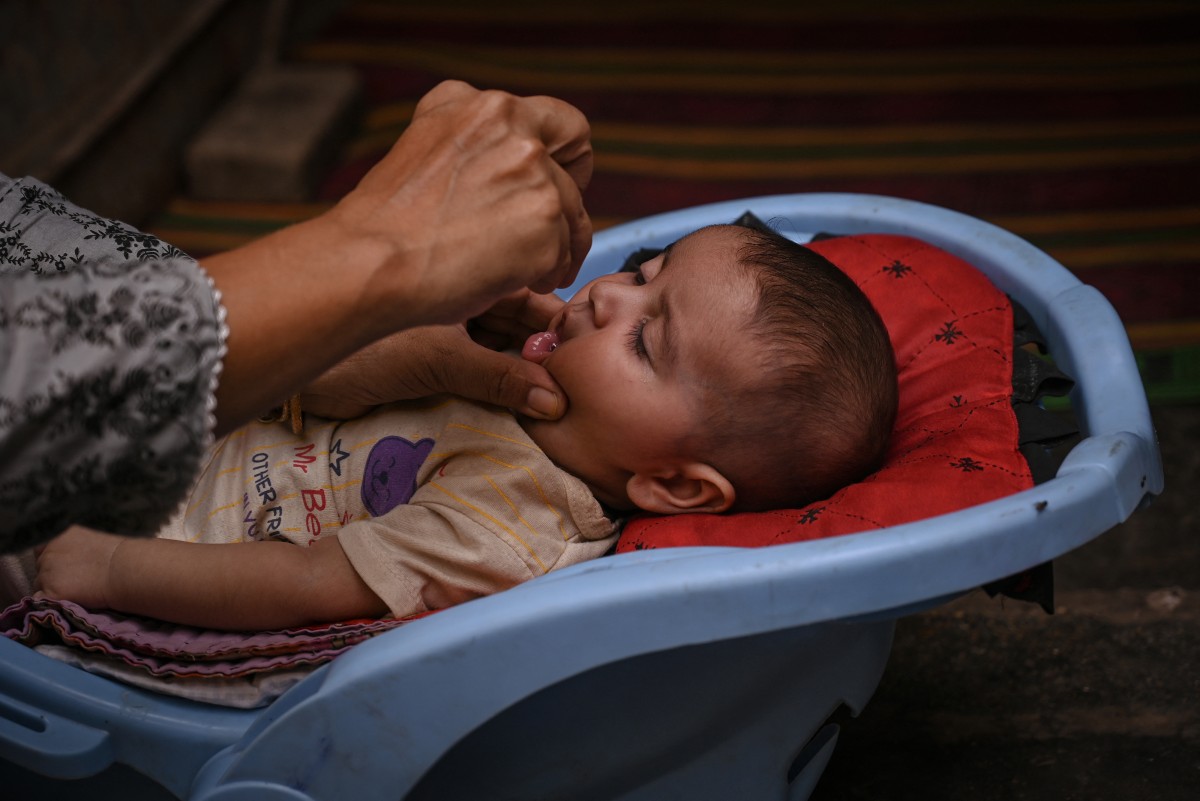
50,744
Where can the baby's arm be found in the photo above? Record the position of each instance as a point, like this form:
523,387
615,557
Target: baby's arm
241,586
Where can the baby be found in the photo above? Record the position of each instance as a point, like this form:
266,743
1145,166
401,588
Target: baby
734,371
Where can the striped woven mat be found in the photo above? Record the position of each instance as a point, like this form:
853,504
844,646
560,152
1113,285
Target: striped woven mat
1075,125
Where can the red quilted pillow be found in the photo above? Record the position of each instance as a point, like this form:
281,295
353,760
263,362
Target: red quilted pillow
955,443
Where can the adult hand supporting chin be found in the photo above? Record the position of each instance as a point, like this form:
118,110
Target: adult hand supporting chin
467,360
481,196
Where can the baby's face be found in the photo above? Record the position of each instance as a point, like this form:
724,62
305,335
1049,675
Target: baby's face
634,352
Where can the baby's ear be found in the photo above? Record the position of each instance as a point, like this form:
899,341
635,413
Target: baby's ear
691,487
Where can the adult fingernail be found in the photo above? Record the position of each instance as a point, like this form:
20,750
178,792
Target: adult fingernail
542,402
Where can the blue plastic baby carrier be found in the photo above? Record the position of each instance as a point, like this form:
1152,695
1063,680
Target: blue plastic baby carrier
682,673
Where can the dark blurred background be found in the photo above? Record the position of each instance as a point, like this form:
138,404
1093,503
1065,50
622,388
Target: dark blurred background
1073,124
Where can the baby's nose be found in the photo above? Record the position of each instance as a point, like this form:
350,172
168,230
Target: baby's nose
606,297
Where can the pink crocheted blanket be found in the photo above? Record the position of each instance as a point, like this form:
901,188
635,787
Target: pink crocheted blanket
181,660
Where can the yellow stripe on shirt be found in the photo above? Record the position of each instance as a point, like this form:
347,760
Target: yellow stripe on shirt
517,514
479,511
528,471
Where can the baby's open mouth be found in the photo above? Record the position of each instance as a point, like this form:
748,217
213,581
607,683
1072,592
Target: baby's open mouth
539,346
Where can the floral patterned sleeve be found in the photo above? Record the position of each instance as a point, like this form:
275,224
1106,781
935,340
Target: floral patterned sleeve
111,342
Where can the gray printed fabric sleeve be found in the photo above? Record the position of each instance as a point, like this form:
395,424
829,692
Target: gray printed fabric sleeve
111,342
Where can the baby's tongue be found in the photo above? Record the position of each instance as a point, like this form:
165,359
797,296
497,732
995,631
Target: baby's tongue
539,346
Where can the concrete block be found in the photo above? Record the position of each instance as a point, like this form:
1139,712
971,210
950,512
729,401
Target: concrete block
276,136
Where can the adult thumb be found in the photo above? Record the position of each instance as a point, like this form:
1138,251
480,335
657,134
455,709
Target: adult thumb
510,381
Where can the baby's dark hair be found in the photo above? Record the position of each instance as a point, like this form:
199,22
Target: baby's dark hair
820,410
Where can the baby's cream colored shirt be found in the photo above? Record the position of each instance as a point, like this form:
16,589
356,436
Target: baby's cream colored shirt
434,502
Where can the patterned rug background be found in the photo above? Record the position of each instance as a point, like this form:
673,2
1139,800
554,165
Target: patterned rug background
1076,125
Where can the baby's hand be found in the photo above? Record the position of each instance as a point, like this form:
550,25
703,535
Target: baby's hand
74,566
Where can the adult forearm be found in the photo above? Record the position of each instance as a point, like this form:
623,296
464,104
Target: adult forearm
297,302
